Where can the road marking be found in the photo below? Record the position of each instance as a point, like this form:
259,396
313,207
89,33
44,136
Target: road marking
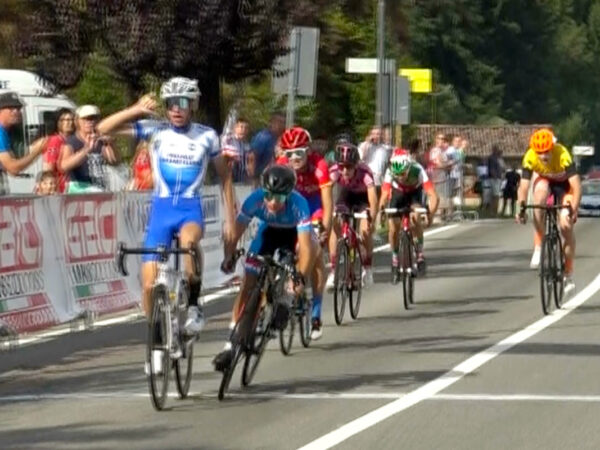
132,317
426,233
430,389
311,396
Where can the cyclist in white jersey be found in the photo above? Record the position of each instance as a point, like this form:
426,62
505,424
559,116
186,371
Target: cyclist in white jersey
181,151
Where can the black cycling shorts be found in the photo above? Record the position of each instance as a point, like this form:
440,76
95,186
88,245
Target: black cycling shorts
354,201
401,199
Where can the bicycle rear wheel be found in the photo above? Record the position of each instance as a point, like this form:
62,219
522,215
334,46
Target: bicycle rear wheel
286,335
546,274
340,282
559,271
304,320
406,265
158,332
356,279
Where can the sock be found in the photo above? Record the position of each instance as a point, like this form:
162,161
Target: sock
316,306
332,260
194,294
368,260
569,266
537,239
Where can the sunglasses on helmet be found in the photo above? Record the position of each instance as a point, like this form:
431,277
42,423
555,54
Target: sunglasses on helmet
297,153
180,102
279,198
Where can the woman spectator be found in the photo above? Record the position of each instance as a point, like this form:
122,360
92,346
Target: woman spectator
141,169
64,127
84,154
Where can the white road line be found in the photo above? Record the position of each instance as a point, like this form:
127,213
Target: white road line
313,396
426,233
517,398
132,317
468,366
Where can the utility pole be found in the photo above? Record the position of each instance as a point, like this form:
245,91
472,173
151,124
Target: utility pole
380,61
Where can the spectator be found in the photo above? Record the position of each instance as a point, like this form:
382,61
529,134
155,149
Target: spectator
10,115
262,147
141,168
84,153
483,181
371,142
48,183
236,148
455,159
511,183
414,147
376,154
439,172
496,169
64,127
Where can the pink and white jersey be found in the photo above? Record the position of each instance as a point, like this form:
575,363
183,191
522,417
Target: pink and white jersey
362,179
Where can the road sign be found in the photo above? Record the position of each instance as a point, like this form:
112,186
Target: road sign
420,79
365,65
402,113
303,57
583,150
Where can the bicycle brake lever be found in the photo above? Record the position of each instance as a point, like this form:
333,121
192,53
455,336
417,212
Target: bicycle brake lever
121,259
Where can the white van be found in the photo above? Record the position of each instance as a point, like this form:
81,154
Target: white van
41,103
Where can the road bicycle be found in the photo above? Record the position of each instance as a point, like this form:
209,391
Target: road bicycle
407,268
552,258
347,278
170,294
266,310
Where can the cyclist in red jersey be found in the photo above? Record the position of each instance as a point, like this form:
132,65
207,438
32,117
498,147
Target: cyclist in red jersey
314,185
357,192
403,186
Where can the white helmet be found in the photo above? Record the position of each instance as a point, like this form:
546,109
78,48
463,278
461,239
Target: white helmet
180,87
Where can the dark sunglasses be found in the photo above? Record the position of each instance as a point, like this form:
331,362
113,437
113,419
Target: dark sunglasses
180,102
279,198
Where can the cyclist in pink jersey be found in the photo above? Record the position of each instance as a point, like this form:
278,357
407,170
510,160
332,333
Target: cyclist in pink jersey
356,191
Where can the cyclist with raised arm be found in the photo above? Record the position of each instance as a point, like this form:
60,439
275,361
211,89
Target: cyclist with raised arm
550,166
181,151
403,186
284,219
314,184
356,192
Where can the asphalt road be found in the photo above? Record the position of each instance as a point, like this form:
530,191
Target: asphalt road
419,379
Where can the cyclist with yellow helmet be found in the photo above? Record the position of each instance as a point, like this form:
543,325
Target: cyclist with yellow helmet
550,167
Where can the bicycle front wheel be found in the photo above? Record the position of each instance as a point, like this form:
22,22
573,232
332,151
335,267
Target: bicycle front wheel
406,267
546,274
157,344
254,352
356,286
183,367
340,282
559,271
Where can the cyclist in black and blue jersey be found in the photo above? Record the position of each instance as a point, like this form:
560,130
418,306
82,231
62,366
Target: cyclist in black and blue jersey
284,222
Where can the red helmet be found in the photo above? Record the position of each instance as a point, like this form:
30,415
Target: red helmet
295,137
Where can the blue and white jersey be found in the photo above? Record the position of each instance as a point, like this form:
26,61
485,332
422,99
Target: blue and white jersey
179,156
295,214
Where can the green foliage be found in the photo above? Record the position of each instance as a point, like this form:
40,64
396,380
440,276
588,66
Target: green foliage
100,86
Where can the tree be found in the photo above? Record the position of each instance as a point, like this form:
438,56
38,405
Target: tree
203,39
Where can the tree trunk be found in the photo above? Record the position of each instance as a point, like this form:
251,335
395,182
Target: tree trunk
210,101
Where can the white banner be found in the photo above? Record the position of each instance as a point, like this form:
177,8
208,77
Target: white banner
57,254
